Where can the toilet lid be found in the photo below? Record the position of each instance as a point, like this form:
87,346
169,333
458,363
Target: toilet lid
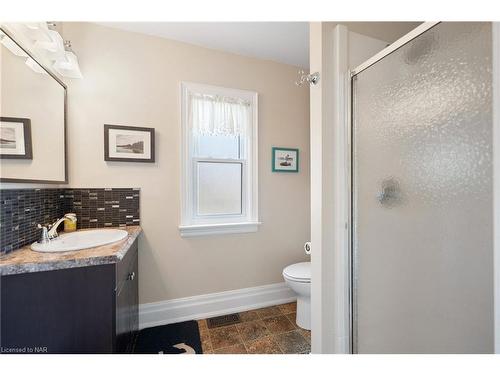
299,271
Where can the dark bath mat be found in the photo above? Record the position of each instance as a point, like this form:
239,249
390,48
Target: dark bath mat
223,320
176,338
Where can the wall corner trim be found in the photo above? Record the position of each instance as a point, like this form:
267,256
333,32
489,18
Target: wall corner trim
213,304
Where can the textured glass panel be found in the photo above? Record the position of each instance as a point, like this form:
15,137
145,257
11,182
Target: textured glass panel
219,188
422,196
218,146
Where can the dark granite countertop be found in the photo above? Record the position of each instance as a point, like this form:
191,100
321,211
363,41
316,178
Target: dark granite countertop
25,260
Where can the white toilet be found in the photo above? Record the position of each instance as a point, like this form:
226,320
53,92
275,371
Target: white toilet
298,277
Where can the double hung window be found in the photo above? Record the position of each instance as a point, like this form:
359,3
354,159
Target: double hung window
219,160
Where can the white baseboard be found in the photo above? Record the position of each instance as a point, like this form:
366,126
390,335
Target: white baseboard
214,304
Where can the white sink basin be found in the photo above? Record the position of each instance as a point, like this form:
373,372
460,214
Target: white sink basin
80,240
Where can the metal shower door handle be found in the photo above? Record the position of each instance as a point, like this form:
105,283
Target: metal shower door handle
390,193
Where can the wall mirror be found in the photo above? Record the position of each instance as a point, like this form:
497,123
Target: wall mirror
32,118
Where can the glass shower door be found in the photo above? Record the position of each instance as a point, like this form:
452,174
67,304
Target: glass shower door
422,211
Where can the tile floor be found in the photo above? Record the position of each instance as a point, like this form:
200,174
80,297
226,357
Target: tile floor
270,330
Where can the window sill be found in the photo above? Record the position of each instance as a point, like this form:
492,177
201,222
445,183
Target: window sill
218,229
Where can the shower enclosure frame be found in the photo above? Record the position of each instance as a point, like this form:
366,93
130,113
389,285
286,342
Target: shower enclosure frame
496,180
348,146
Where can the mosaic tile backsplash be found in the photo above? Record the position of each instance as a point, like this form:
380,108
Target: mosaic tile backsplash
22,209
98,208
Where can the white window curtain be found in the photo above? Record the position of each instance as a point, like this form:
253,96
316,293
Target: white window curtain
217,115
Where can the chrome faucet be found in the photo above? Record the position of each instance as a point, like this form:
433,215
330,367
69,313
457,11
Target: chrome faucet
49,232
53,229
45,234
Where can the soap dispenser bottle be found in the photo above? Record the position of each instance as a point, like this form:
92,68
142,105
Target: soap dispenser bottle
70,222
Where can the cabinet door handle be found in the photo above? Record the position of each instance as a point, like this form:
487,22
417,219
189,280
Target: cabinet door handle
131,276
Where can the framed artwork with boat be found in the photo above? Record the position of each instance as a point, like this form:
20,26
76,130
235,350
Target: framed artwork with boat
285,159
129,143
15,138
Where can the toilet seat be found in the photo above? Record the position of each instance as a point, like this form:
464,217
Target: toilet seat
298,272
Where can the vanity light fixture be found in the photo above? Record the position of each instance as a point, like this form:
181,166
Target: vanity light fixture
38,31
48,43
52,49
68,65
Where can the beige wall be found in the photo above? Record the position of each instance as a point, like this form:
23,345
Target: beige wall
133,79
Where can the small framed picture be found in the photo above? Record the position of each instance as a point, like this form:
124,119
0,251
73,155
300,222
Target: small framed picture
15,138
129,143
285,159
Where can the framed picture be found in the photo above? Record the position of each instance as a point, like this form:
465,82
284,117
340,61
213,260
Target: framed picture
285,159
15,138
129,143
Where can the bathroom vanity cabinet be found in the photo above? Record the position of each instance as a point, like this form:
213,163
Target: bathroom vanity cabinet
87,309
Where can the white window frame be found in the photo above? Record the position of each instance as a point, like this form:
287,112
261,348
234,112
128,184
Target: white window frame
201,225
